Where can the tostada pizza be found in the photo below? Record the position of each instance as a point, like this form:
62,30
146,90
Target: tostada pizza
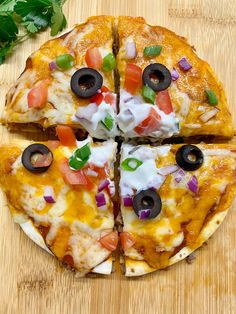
173,198
165,89
61,195
69,81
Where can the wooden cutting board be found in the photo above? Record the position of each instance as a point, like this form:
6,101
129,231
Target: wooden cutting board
31,281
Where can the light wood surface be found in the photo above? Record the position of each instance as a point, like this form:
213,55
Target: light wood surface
33,282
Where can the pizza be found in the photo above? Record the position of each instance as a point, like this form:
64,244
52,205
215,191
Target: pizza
124,83
60,193
164,89
173,198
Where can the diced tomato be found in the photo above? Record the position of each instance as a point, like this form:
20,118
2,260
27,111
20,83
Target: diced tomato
100,170
73,177
98,98
110,241
52,144
93,58
133,78
104,89
150,124
127,240
66,135
109,98
38,95
163,101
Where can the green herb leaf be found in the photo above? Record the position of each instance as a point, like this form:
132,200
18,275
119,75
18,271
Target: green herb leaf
7,6
8,29
58,20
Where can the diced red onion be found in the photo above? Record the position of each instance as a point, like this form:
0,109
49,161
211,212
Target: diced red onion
91,173
49,194
174,74
164,171
86,112
103,184
53,66
193,184
100,199
184,64
179,175
128,201
130,50
112,188
209,114
144,214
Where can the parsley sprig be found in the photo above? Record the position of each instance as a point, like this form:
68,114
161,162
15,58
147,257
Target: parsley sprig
19,19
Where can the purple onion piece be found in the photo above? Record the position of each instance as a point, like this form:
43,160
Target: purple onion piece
193,184
100,199
144,214
174,74
103,184
164,171
128,201
53,66
179,175
49,194
184,64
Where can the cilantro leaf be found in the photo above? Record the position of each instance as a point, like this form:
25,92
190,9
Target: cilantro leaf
58,20
35,21
8,29
7,5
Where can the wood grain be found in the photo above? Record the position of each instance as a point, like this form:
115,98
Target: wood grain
33,282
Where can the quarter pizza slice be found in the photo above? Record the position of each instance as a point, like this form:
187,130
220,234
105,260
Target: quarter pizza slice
173,198
69,80
61,196
165,88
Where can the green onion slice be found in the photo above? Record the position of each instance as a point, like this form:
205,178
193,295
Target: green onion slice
80,157
211,96
148,94
108,122
65,61
109,62
131,164
152,51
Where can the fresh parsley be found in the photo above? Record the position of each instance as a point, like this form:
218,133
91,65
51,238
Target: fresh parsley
21,18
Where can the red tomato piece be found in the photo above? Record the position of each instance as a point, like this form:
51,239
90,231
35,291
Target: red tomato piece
93,58
104,89
52,144
163,101
100,170
127,240
109,98
150,124
110,241
66,135
38,95
98,98
72,177
133,78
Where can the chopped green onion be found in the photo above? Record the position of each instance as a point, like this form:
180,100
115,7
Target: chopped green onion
108,122
109,62
83,152
131,164
152,51
65,61
211,96
148,94
80,157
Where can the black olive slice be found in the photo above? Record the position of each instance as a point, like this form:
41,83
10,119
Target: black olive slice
189,157
86,82
157,77
39,150
147,204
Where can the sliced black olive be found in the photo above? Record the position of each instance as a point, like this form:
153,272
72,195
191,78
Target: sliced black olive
86,82
36,150
157,77
147,204
189,157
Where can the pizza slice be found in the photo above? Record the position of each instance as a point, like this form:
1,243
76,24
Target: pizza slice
69,81
165,89
61,196
173,198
